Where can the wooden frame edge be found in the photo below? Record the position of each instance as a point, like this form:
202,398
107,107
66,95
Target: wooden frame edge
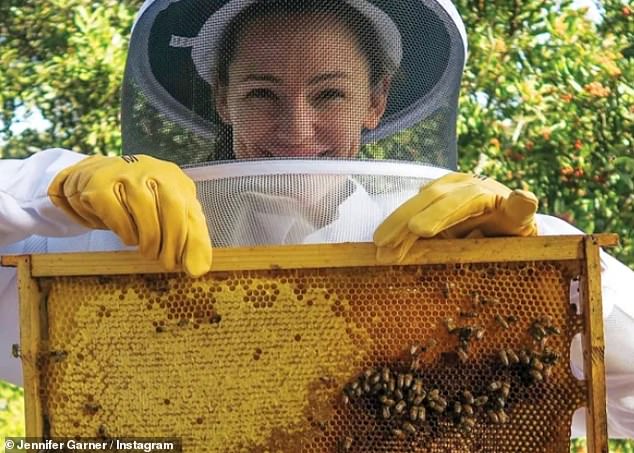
593,350
30,341
436,251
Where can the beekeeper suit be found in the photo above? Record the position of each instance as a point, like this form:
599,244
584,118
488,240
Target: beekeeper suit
184,102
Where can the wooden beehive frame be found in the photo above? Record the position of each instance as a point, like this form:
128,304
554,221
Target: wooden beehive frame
581,249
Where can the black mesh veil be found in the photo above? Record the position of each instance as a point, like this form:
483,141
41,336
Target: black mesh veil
169,109
300,120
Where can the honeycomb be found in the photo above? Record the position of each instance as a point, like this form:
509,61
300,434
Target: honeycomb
265,361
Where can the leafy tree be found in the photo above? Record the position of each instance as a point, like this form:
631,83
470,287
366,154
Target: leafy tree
64,58
548,105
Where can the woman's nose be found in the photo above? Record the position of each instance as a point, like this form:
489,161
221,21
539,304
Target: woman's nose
297,126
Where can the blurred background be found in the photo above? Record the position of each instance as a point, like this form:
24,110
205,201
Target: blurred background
547,105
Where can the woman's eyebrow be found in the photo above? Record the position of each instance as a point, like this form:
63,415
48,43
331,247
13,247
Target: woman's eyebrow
261,78
328,76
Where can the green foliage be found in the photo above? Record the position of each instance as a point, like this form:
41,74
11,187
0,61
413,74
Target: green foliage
11,411
615,446
548,105
64,57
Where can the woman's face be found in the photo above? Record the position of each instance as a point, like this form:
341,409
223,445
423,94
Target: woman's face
299,91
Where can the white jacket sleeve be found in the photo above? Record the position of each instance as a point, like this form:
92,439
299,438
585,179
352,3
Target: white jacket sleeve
617,284
94,241
25,208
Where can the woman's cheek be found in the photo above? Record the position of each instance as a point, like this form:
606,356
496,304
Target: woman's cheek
253,125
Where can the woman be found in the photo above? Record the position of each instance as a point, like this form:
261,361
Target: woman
238,76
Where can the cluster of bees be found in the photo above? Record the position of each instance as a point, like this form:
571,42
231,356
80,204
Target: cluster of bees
403,401
407,403
535,364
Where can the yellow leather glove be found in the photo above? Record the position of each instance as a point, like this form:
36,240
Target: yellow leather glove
144,201
456,205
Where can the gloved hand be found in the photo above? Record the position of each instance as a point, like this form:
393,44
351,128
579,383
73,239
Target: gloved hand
456,205
144,201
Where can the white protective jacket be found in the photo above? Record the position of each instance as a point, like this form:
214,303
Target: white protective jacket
29,223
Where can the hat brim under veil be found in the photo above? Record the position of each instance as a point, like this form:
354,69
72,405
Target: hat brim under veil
167,103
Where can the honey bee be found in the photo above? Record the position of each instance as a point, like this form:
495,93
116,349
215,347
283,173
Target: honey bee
506,389
215,319
536,375
441,404
549,357
462,355
513,358
537,331
495,385
493,417
400,380
446,289
418,386
92,408
422,414
102,432
524,357
413,413
501,321
504,358
553,330
536,364
409,428
346,443
468,314
479,333
16,350
547,372
58,356
468,421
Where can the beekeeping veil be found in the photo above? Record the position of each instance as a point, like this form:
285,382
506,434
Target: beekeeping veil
179,51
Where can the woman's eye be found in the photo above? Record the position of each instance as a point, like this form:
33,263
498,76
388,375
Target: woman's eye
261,93
330,95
